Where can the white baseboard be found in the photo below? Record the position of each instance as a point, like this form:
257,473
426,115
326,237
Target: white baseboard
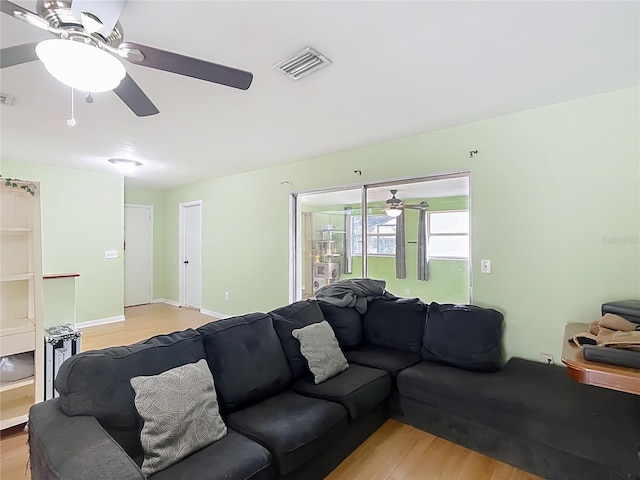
211,313
204,311
165,300
100,321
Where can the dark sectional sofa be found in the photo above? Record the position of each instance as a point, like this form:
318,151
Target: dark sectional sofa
281,425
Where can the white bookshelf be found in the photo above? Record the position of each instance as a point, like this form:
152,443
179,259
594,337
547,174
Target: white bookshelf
21,317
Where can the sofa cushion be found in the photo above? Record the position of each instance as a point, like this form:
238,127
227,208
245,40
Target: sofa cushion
395,324
293,427
320,349
389,359
232,457
466,336
288,318
358,389
180,414
246,359
96,383
537,402
346,323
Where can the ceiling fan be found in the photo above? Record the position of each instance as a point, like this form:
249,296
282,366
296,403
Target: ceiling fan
86,55
395,206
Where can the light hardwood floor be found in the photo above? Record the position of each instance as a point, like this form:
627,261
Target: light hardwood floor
394,452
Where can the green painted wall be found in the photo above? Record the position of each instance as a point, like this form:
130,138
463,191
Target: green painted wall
237,244
82,216
155,198
449,280
555,206
59,298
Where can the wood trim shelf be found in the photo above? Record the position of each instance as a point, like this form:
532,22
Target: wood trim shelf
615,377
6,386
13,326
19,415
15,230
15,404
16,276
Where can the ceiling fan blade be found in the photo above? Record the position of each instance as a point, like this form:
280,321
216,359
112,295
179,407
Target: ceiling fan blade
188,66
16,11
134,98
417,207
18,54
107,12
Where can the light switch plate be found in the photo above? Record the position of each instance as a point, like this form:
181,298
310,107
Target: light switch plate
110,254
485,266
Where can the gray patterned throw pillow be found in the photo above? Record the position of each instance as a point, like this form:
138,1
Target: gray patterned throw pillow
319,346
180,412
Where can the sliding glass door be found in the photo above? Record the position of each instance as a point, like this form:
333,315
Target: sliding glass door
323,237
416,234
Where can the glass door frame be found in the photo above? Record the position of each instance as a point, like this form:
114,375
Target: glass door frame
295,217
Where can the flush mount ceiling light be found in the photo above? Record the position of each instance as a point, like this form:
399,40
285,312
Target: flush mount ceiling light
125,165
80,65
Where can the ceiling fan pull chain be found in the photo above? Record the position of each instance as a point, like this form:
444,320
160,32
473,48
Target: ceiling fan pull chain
72,121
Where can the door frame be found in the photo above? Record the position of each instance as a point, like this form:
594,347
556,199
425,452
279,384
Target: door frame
150,209
182,301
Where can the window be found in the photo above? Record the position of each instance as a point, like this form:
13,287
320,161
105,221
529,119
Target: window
448,234
381,235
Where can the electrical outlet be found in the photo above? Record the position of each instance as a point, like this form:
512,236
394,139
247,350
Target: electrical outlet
110,254
546,358
407,292
226,295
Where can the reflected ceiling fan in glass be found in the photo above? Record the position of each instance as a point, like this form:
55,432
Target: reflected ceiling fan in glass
395,206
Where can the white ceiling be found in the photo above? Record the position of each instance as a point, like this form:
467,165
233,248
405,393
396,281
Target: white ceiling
399,68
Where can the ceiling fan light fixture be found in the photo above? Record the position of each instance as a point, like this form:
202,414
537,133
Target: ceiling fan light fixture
393,211
80,65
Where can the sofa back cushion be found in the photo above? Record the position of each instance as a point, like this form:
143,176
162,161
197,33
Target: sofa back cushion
346,323
395,323
96,383
466,336
246,359
288,318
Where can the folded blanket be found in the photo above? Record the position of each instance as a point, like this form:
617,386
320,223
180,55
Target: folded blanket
626,340
611,331
354,292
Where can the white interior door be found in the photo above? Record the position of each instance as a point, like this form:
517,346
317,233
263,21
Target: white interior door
192,254
138,254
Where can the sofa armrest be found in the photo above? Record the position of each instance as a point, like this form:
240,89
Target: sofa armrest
70,448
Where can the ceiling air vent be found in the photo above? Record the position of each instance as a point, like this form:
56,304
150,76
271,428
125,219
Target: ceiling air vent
303,63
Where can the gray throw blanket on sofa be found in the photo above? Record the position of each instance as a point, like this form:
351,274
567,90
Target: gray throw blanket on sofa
355,292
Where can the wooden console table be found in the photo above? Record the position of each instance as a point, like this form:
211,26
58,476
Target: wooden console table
624,379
